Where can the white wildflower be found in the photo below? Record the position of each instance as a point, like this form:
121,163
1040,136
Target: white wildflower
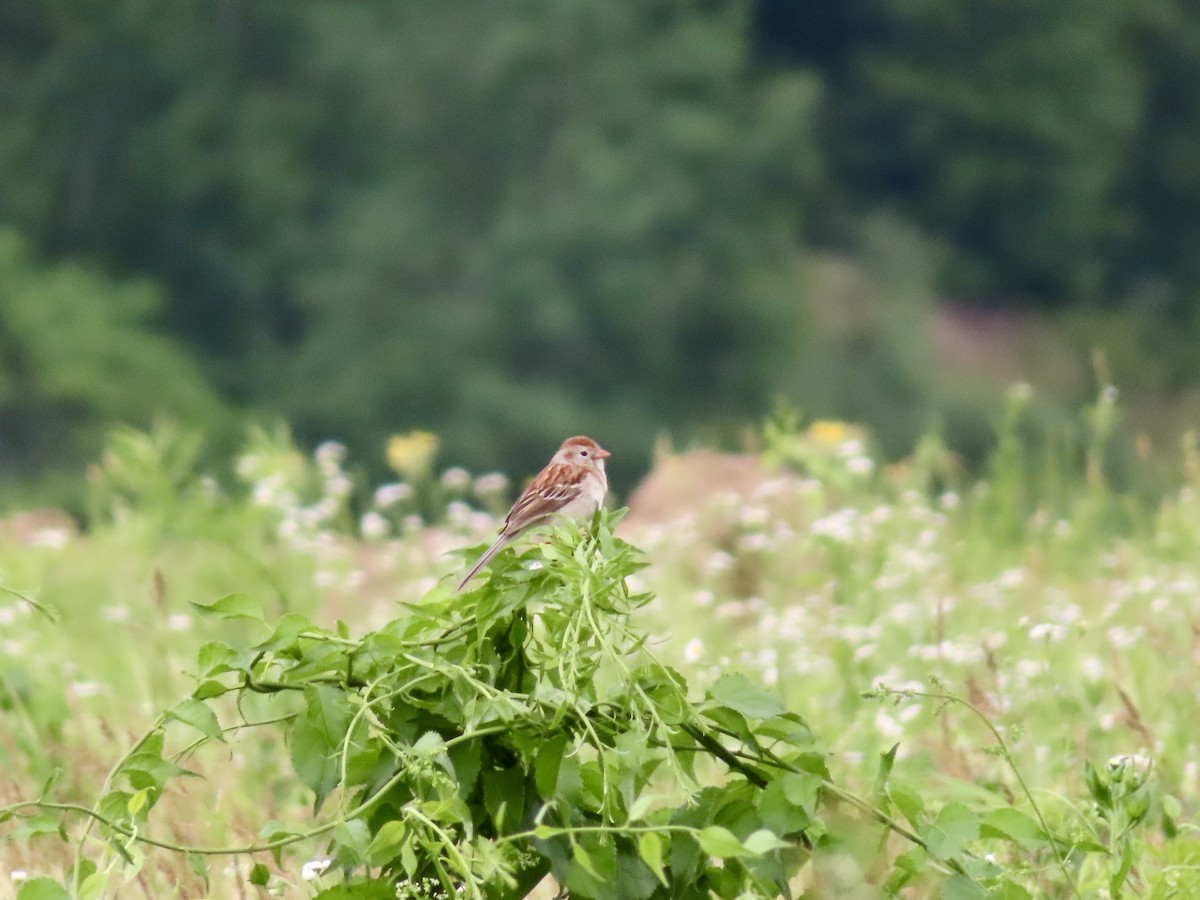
388,494
81,689
54,538
373,525
491,483
720,561
860,465
693,650
314,869
329,454
456,478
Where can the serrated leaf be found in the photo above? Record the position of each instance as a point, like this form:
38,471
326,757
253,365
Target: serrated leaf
383,846
650,849
741,694
764,841
430,743
584,859
955,827
233,606
206,690
720,842
802,790
779,813
640,807
215,657
197,714
1011,824
353,836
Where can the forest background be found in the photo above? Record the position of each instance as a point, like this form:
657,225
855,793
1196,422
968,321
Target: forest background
504,223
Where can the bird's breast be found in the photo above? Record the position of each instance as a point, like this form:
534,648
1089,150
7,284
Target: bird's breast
591,495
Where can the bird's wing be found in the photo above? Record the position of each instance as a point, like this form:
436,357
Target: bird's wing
553,489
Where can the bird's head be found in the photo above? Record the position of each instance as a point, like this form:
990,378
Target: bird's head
581,451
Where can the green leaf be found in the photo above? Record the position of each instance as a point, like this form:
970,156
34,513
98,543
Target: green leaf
720,842
42,889
313,757
215,657
1011,824
1007,890
467,759
779,813
260,875
287,630
206,690
352,838
93,887
359,890
199,865
802,790
955,827
195,713
908,801
233,606
959,887
1097,785
504,798
886,762
764,841
137,802
546,765
650,849
593,870
584,859
905,868
383,846
741,694
1116,884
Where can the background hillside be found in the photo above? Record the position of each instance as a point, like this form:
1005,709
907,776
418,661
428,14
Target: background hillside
505,223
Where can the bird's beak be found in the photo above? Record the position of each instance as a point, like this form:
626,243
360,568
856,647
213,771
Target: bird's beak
602,454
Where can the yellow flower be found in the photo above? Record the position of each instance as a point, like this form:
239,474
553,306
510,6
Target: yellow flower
412,454
827,431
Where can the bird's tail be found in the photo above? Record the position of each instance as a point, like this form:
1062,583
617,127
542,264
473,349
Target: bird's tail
491,551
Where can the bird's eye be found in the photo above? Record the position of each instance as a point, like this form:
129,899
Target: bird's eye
583,453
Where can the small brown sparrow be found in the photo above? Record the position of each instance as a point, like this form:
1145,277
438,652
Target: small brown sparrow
573,484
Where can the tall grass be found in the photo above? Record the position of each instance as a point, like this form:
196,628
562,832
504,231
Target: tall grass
1020,650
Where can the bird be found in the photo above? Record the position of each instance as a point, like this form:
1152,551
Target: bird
572,484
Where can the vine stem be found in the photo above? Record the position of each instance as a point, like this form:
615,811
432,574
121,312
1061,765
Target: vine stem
1007,754
93,816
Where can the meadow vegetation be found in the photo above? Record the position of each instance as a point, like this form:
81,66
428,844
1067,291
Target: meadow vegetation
818,676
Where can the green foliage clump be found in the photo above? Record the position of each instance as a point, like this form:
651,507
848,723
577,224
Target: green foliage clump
486,740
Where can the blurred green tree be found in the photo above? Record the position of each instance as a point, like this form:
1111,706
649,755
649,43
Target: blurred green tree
586,223
1002,128
78,351
500,222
